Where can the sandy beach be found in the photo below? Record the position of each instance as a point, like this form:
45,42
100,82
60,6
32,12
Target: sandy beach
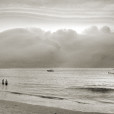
9,107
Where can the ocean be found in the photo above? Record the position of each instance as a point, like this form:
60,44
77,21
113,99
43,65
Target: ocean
80,89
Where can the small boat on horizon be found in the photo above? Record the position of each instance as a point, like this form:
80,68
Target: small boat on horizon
50,70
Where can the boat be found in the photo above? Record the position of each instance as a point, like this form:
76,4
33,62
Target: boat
50,70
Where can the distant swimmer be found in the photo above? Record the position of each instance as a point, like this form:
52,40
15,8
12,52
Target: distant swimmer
6,82
3,82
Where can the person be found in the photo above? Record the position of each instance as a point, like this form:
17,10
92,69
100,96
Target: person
3,82
6,82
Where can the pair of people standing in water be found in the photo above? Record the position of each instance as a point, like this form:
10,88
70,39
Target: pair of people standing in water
4,82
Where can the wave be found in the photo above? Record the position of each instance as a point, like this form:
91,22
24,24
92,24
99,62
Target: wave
93,89
106,102
41,96
81,102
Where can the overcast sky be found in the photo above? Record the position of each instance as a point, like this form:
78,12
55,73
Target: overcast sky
56,14
56,33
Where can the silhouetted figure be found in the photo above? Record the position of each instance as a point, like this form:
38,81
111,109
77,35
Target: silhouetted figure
6,82
3,82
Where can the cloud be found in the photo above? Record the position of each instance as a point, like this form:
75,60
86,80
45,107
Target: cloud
54,19
95,30
34,47
105,29
88,4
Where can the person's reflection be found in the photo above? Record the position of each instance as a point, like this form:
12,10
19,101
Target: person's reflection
2,86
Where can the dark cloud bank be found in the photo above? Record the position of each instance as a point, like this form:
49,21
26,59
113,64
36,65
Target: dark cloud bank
64,48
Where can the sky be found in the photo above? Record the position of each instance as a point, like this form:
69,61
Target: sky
56,33
56,14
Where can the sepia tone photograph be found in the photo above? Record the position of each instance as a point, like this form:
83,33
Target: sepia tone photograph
56,56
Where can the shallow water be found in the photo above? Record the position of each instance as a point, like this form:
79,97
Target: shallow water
75,89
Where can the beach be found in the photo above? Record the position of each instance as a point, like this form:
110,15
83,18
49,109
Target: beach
9,107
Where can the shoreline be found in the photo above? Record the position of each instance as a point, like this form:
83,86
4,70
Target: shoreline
12,107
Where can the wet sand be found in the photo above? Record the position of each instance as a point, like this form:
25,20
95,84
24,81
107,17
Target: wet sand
9,107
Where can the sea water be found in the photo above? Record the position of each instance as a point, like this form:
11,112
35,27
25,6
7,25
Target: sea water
90,90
